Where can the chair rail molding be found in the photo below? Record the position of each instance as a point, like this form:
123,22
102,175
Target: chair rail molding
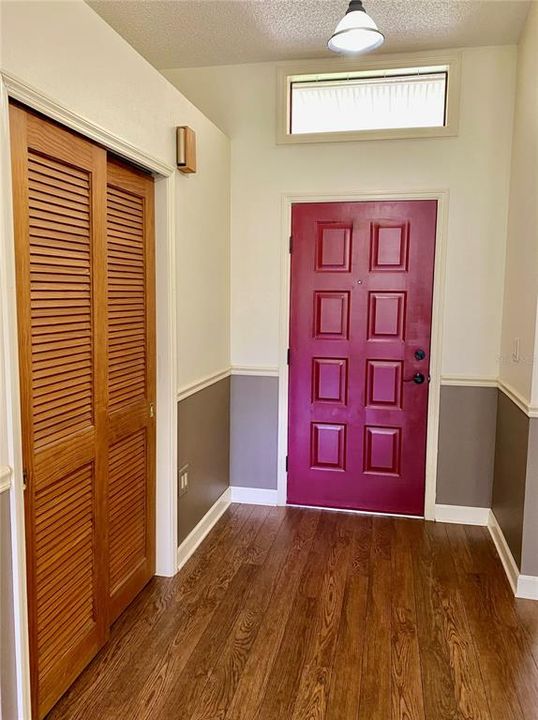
5,478
484,381
469,380
191,388
517,398
255,370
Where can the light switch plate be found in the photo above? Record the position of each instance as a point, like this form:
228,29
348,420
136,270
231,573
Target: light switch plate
182,480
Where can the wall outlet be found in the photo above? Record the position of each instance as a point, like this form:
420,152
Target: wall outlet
182,480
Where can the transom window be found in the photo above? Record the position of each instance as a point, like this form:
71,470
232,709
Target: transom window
375,103
340,104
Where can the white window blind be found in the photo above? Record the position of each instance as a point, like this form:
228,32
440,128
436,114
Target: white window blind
370,103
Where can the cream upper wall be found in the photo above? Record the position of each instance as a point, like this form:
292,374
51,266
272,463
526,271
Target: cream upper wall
474,167
67,51
521,279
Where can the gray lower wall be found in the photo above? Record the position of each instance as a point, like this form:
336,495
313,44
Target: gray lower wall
529,559
203,445
466,439
466,454
8,680
508,500
254,428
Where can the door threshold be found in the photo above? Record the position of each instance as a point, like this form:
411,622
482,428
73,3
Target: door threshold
355,512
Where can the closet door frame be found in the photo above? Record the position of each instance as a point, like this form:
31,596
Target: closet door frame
166,332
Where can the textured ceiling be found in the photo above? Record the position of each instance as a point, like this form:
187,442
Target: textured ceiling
189,33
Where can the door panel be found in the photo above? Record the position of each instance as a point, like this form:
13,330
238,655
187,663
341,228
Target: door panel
361,294
85,289
59,196
131,383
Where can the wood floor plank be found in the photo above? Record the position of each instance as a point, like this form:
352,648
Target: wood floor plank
490,603
258,551
212,702
468,682
297,614
285,675
157,682
407,695
103,682
375,699
361,546
497,675
527,615
314,684
182,698
252,684
345,686
439,690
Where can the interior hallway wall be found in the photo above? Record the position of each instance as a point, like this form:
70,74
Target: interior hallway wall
474,167
66,51
515,490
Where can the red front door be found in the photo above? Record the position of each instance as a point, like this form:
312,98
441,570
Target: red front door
361,299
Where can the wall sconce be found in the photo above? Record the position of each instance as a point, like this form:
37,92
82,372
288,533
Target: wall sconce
186,149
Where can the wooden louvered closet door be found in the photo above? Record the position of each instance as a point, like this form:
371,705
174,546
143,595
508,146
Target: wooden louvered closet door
59,191
84,261
131,383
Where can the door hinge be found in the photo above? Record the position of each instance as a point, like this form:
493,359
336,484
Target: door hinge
289,356
287,463
24,479
151,410
291,244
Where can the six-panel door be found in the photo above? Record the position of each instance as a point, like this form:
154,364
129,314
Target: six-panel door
361,297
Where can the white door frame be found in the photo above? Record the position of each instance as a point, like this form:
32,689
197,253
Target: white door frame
442,197
166,500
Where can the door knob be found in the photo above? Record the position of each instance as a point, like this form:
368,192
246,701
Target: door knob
420,354
418,378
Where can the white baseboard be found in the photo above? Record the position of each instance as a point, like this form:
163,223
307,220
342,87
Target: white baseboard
527,587
524,586
462,514
253,496
510,566
197,534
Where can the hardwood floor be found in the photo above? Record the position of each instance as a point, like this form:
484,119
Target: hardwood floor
292,614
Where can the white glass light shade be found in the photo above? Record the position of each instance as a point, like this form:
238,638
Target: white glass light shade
355,33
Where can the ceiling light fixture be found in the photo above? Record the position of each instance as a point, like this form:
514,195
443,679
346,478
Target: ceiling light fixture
356,32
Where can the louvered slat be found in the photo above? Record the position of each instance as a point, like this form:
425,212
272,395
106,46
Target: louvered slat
126,296
56,315
64,532
127,505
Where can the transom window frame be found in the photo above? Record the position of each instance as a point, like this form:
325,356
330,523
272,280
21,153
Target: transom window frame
288,72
